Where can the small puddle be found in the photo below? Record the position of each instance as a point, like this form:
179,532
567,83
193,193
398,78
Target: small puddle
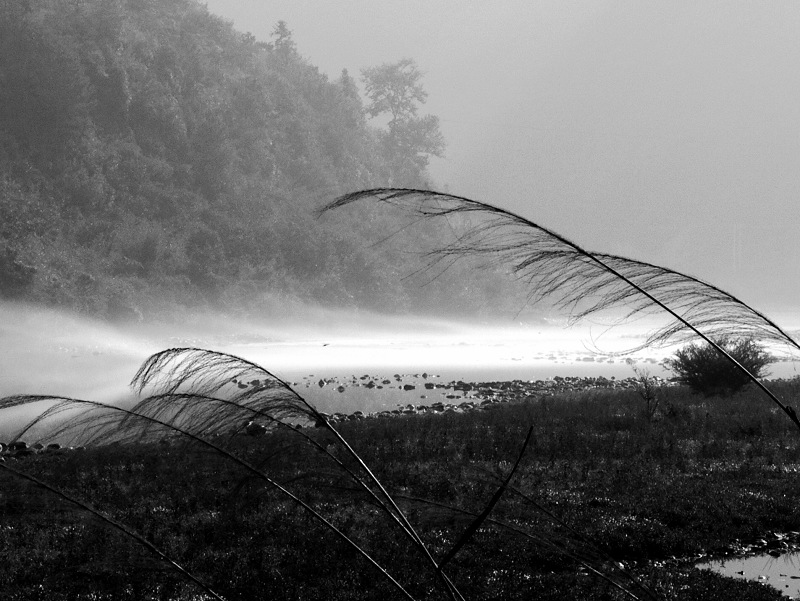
782,573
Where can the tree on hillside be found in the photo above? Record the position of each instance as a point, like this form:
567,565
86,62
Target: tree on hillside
394,89
150,151
284,44
45,95
349,87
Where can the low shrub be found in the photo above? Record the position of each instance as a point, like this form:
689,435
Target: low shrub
706,371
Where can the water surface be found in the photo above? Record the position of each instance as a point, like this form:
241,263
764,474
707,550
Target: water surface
783,572
50,352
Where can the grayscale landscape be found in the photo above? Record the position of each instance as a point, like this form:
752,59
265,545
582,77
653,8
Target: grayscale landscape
440,300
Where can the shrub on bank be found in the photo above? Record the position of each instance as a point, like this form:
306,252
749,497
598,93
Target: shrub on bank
706,371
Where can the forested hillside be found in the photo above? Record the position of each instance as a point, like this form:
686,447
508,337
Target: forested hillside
152,157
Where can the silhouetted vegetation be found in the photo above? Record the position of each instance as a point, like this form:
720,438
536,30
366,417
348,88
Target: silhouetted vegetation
692,482
582,283
701,367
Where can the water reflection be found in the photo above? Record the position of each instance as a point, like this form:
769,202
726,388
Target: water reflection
782,572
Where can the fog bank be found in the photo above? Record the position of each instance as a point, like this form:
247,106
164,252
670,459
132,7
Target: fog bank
49,352
46,351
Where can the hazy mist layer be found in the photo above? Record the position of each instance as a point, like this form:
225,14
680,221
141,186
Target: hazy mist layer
666,132
45,351
48,352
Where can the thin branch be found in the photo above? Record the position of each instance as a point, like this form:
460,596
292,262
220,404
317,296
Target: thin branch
473,527
584,560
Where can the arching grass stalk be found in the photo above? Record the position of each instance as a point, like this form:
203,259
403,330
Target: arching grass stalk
788,410
380,500
581,282
204,373
450,586
98,412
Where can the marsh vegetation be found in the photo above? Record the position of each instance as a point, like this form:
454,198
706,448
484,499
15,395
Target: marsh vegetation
601,484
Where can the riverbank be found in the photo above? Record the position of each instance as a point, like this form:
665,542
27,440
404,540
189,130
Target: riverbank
602,483
419,394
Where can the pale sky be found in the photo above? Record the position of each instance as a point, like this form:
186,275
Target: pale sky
664,131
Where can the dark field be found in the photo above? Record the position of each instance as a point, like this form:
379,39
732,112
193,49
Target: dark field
601,486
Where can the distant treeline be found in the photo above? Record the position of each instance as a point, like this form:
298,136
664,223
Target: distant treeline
152,156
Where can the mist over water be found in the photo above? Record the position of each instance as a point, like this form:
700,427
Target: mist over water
48,352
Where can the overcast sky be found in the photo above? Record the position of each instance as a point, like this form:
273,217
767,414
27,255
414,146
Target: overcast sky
664,131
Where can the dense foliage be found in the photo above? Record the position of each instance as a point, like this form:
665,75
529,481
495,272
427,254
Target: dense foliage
706,371
150,154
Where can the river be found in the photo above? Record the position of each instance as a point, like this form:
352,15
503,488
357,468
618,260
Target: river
44,351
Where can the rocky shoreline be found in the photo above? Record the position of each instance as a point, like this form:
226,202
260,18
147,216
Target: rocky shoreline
457,396
460,396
